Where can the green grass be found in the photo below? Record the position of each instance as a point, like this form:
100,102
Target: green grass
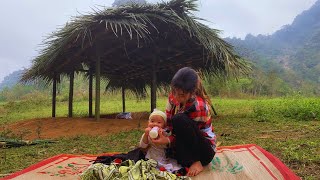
282,126
17,111
14,159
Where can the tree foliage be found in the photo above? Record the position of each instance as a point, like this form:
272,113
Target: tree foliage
292,52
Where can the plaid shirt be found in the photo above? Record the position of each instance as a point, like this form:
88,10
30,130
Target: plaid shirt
199,113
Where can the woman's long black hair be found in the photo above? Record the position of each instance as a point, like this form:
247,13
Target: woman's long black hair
188,80
185,79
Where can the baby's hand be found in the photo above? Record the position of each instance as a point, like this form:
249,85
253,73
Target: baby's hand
147,130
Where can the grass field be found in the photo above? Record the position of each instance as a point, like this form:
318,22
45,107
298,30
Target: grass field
287,127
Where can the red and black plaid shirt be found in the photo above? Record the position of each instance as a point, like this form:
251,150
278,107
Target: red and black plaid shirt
201,114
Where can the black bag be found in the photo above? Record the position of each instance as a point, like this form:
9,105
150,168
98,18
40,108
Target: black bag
135,155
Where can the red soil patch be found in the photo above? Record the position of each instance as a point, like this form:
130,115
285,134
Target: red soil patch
52,128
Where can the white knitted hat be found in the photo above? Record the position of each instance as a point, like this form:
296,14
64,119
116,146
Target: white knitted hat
159,113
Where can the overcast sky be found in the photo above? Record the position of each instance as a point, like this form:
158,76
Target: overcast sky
24,24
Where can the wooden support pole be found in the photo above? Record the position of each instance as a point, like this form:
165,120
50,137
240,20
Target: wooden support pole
97,107
90,93
54,94
154,87
71,94
123,99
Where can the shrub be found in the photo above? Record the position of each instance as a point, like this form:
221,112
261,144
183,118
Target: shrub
291,107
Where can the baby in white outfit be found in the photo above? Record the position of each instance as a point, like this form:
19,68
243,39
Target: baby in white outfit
157,119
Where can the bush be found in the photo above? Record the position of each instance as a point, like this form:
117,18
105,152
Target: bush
301,108
291,107
20,106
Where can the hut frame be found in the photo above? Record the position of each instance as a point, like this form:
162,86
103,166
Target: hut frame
133,47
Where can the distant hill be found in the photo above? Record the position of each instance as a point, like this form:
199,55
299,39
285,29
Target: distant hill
11,80
295,48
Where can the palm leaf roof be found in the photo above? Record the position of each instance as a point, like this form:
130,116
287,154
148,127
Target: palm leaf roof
130,40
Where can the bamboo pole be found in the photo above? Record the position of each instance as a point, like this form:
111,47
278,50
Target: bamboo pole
154,87
90,92
54,94
123,99
71,94
97,107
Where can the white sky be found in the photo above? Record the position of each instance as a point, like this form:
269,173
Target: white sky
24,24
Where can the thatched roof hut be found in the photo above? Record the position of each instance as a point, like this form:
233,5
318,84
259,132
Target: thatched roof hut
134,46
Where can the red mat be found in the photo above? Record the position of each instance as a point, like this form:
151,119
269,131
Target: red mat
231,162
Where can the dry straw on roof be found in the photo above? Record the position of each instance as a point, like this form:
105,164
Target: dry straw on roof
131,40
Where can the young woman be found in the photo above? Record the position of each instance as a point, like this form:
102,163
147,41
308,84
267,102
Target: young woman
189,117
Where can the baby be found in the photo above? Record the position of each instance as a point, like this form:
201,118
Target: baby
157,121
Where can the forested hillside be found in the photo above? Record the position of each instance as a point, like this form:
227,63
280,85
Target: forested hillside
293,51
11,80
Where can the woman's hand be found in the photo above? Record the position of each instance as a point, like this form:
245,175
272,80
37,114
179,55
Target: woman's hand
161,139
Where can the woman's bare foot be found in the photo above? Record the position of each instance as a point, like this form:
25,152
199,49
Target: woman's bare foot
195,169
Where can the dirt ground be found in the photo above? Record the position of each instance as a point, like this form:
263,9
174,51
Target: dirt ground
53,128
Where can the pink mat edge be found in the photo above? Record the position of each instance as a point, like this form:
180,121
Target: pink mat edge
284,170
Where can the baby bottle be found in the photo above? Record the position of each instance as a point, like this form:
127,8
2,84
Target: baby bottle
154,132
